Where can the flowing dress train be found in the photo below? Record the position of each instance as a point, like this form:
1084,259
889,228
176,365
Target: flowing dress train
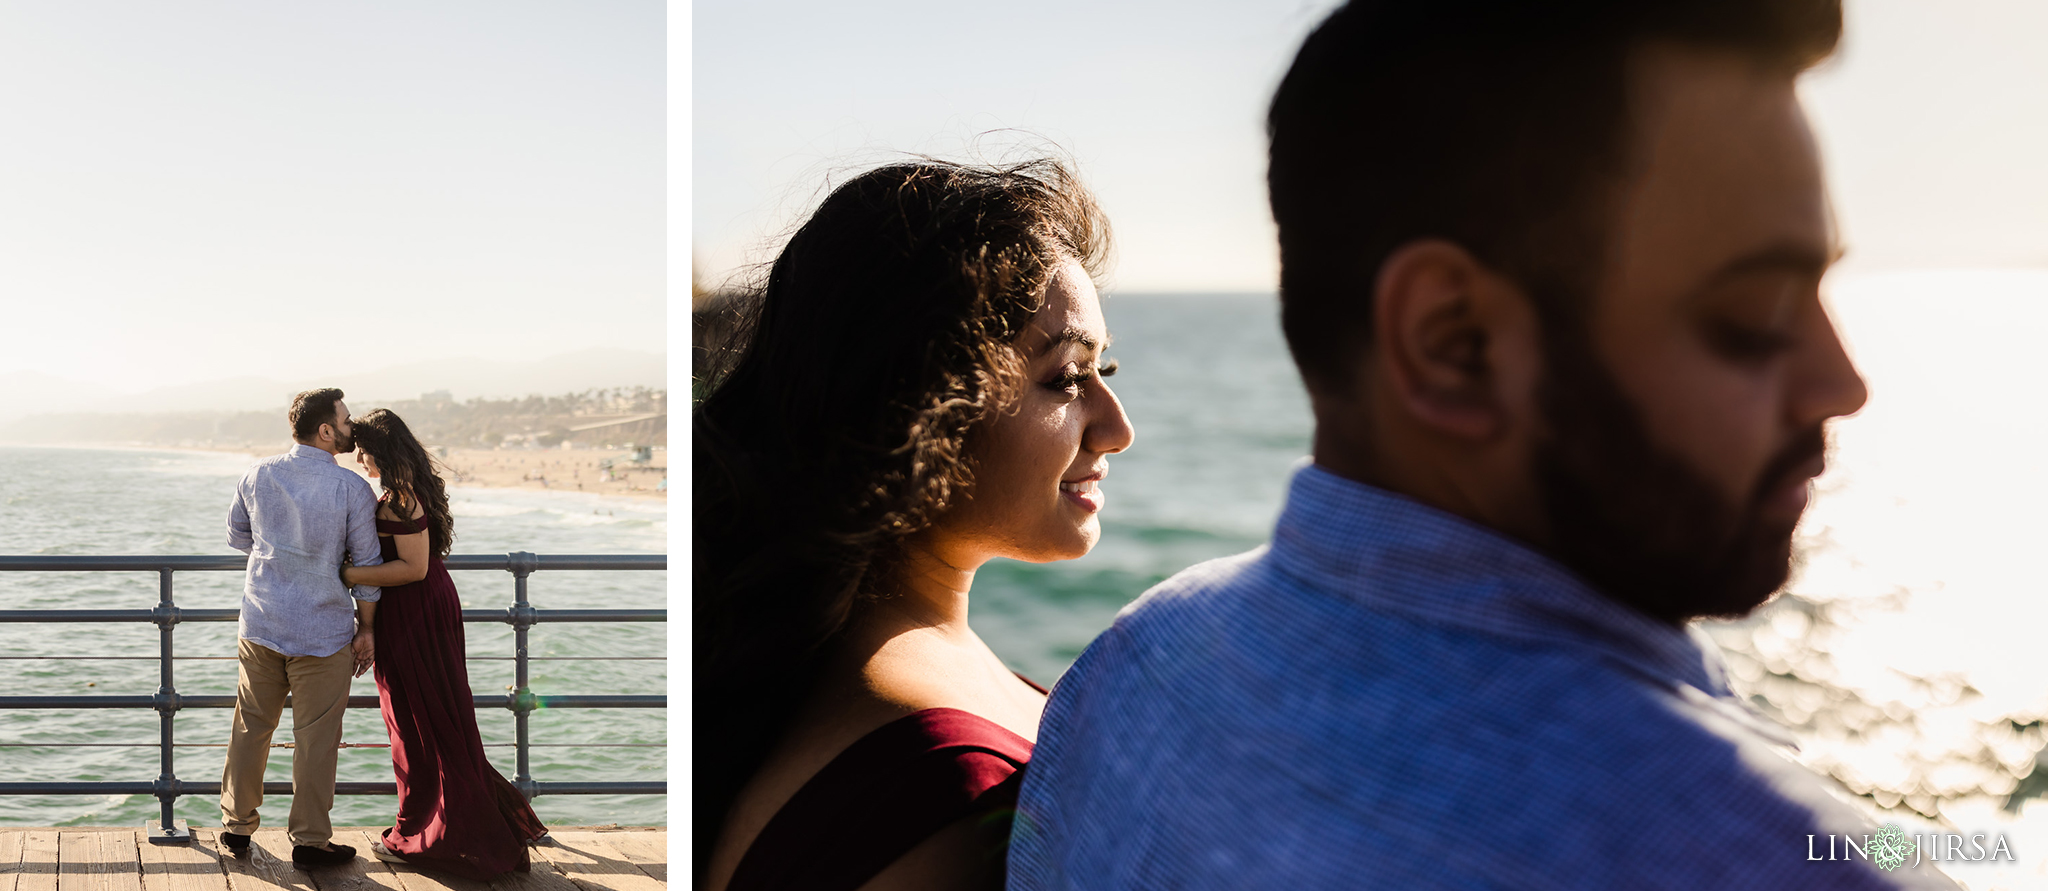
456,813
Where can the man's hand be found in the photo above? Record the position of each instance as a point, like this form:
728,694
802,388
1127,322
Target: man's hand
366,650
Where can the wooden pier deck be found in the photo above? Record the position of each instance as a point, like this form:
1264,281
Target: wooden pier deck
118,859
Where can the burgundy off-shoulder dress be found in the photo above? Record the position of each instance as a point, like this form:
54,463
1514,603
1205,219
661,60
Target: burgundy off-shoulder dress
889,791
456,813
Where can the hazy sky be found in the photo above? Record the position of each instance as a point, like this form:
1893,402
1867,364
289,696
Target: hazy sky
209,189
1933,120
198,190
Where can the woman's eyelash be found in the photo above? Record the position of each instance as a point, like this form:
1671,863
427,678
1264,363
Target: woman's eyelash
1078,376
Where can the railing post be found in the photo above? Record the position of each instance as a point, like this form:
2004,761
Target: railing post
522,564
169,831
167,701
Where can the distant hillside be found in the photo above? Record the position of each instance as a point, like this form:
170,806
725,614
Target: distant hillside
26,393
593,417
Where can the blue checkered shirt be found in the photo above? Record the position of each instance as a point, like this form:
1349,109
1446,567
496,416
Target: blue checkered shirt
1392,696
297,516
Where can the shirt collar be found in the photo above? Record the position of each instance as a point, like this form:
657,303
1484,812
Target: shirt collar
1398,555
302,450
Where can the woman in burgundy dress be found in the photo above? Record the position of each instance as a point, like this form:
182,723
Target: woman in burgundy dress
455,813
920,392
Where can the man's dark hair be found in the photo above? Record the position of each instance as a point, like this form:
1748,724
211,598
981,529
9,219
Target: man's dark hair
1499,125
311,409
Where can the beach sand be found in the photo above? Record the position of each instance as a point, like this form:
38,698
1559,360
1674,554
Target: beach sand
560,470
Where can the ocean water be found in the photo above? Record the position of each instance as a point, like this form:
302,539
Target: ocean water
112,502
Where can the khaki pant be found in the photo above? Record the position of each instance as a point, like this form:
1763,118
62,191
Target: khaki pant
319,689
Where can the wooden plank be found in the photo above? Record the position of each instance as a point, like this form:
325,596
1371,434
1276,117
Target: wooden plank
595,865
120,861
647,850
541,876
416,879
10,857
78,861
193,867
269,867
38,861
365,873
411,878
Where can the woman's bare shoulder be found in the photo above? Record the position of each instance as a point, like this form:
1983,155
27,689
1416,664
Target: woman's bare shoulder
861,690
392,503
830,722
966,855
922,672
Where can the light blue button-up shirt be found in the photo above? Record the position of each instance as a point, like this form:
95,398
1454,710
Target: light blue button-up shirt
297,515
1389,696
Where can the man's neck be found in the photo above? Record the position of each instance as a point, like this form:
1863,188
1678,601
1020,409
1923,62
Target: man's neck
1414,470
314,445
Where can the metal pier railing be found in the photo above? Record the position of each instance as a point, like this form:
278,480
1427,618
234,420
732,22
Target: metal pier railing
167,615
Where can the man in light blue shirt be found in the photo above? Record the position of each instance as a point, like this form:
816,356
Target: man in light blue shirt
299,516
1550,273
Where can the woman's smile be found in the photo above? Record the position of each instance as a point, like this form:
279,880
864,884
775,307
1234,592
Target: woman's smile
1085,491
1056,435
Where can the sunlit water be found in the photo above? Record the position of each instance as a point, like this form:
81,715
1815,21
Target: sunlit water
111,502
1938,487
1929,530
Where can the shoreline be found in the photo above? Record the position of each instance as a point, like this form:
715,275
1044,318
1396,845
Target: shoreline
538,470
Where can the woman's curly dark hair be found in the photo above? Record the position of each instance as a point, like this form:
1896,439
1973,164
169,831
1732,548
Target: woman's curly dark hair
408,472
839,422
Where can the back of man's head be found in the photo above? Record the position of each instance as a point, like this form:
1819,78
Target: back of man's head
1499,125
312,408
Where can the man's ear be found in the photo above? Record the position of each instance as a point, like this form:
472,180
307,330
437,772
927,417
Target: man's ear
1455,343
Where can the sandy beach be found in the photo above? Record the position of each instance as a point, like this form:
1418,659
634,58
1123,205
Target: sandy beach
561,470
556,470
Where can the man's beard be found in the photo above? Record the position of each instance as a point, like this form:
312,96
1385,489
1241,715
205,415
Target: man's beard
344,442
1640,523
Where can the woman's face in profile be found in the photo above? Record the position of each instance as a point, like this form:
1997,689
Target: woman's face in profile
1040,465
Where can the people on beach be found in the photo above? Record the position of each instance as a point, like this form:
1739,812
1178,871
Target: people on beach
456,814
303,632
1550,274
920,391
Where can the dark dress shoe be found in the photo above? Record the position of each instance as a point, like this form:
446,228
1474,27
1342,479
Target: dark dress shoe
238,844
309,857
